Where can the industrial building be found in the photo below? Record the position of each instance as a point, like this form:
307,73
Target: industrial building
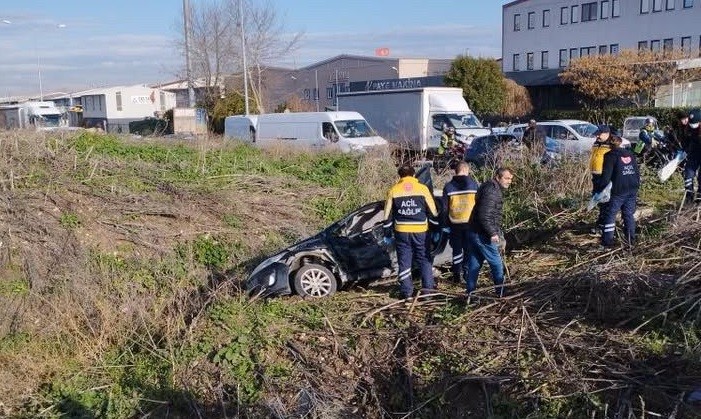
540,37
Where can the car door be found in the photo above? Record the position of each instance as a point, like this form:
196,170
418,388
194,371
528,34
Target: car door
565,137
358,242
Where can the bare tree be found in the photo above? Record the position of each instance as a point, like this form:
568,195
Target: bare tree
631,75
265,43
216,45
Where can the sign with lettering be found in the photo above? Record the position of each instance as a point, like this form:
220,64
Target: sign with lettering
141,100
396,84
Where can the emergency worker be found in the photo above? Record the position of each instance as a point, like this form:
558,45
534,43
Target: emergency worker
408,208
459,199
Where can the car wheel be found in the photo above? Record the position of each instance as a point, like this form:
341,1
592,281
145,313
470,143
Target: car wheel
312,280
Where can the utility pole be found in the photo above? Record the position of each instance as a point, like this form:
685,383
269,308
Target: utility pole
190,89
243,52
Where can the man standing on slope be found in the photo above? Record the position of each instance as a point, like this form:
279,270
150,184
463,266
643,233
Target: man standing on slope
596,166
484,237
459,199
407,208
693,158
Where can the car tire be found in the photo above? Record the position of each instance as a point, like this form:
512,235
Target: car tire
316,281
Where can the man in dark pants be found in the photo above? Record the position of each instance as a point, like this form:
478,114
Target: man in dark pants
693,158
534,137
407,208
459,199
621,169
596,166
484,237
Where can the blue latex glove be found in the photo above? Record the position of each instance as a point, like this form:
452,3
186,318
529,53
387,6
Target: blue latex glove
387,241
446,230
436,236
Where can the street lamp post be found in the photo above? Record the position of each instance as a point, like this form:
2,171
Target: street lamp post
36,49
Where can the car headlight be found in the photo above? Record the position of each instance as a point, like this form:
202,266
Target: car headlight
267,263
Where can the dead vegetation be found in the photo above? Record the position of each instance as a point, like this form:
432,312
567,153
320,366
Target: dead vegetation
122,264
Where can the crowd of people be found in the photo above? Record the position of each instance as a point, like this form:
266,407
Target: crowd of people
473,212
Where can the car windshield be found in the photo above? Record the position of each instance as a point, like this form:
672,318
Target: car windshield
634,124
585,129
462,120
354,128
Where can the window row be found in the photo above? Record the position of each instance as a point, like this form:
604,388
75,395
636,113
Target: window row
658,5
668,45
565,56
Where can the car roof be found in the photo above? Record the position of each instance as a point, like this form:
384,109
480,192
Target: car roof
564,121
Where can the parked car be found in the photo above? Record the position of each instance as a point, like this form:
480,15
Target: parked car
573,136
346,252
489,149
632,126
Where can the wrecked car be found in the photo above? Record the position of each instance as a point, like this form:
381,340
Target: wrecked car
347,252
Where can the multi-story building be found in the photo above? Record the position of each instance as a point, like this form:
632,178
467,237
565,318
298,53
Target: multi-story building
540,37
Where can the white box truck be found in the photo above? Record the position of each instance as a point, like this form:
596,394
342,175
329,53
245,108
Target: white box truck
347,131
414,117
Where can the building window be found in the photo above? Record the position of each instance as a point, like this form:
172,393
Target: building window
605,9
546,18
517,63
590,11
586,51
686,45
329,93
655,45
531,20
668,45
306,94
99,101
644,6
162,98
564,15
574,17
315,94
603,49
517,22
544,60
615,8
688,3
573,53
118,97
656,5
613,49
563,58
670,4
529,61
642,45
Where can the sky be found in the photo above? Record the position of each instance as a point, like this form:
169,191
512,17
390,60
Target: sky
73,45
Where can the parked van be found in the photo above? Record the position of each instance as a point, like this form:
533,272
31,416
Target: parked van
348,131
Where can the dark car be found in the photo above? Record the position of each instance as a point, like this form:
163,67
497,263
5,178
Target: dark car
348,251
489,149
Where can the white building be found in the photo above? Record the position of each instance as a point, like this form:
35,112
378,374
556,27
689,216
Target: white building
112,108
540,37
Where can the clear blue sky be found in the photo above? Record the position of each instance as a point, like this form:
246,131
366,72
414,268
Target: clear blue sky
106,43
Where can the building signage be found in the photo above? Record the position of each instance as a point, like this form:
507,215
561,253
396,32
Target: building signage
396,84
141,100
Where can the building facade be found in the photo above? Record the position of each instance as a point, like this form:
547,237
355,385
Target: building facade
113,108
316,85
540,37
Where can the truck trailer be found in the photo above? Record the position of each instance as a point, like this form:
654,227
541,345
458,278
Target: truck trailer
39,115
414,117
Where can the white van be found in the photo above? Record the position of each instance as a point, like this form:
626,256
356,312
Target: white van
314,130
241,127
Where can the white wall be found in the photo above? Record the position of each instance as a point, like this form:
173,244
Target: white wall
626,30
137,102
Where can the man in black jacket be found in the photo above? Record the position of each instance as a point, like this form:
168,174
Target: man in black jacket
534,137
484,237
621,169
